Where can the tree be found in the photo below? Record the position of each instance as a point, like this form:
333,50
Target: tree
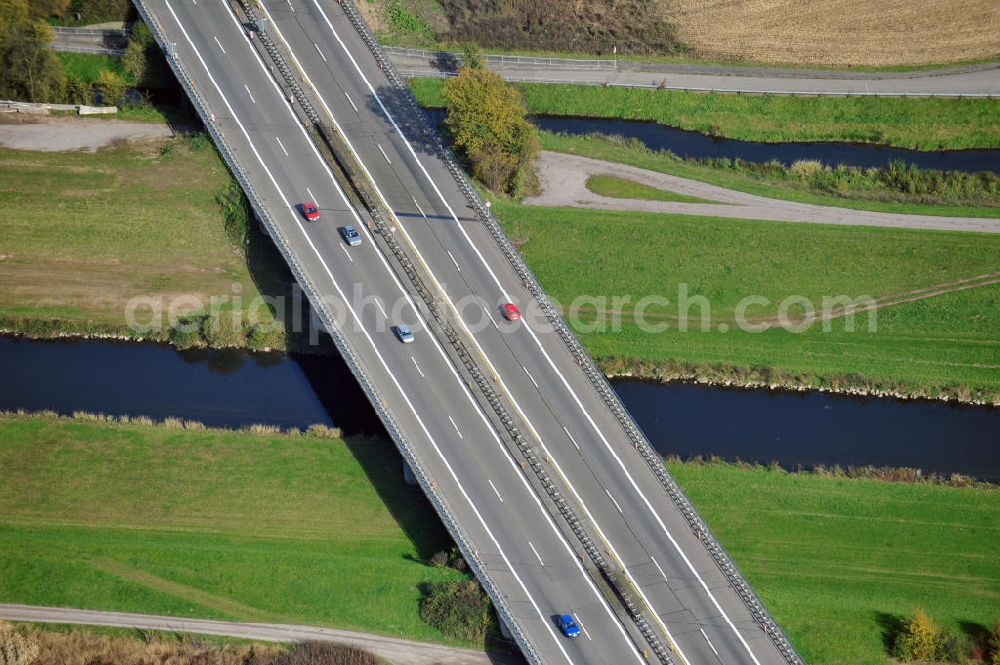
919,639
488,122
29,70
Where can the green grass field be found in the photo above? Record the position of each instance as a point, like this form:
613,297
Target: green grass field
303,529
138,220
213,524
836,559
925,123
87,67
921,346
622,188
613,150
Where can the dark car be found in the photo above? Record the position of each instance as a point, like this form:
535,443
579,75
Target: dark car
568,626
310,211
350,235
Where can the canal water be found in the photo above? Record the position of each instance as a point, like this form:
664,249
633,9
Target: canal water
694,144
234,388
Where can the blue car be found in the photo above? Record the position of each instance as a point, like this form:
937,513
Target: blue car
568,626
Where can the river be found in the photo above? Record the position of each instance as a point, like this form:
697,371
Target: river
694,144
232,388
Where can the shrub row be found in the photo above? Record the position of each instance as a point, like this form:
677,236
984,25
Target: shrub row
764,376
900,181
317,430
921,639
885,474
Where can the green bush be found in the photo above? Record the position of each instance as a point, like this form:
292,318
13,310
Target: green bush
236,213
459,609
224,329
188,333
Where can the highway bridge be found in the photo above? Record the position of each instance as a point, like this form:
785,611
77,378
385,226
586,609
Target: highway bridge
554,496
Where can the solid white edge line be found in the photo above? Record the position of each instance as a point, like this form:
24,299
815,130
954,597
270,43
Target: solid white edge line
520,475
385,366
676,545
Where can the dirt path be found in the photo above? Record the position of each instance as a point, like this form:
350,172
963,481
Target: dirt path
564,184
397,651
60,134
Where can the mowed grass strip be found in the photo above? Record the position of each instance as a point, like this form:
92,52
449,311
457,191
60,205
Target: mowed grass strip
214,523
623,188
920,123
834,558
946,340
82,233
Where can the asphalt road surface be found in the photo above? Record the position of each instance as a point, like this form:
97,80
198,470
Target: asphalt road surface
525,551
970,81
564,178
396,651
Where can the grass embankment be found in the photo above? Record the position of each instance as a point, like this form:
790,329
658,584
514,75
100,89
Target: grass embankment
837,561
943,341
920,123
85,233
311,530
214,523
623,188
804,182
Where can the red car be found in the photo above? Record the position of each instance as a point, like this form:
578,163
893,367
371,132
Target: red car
310,211
510,312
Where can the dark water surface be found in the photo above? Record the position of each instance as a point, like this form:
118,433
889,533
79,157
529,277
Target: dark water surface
235,388
694,144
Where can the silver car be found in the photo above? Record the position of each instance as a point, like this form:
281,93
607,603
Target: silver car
350,235
403,333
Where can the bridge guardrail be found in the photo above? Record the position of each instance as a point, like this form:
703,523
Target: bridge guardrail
341,342
344,154
91,32
597,378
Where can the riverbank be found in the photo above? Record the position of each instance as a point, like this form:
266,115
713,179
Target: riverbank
152,231
163,237
927,337
917,123
115,495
